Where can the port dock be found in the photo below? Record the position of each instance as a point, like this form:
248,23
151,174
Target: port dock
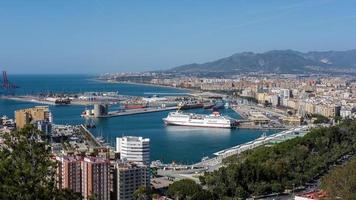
89,136
132,112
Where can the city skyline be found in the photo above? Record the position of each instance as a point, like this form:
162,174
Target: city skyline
97,37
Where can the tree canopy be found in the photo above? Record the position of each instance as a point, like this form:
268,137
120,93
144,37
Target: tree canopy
272,169
142,193
183,189
340,183
26,168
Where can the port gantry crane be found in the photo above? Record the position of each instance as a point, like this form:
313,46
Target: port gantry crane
6,85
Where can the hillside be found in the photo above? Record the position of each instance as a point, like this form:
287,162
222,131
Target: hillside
276,61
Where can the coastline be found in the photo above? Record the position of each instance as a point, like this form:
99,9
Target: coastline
30,99
149,84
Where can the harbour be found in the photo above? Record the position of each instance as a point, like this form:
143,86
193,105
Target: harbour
168,143
133,112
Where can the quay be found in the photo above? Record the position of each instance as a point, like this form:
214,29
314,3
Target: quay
89,136
274,138
133,112
35,99
27,99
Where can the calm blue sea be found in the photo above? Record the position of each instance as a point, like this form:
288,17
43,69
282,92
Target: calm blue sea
172,143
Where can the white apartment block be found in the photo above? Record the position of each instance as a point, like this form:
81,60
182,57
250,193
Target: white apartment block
134,149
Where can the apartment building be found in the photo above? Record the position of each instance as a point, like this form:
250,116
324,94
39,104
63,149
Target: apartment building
31,115
134,149
128,178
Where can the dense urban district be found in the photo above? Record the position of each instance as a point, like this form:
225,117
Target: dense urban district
311,156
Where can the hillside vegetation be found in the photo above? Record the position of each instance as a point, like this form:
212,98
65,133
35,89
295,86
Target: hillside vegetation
276,61
289,164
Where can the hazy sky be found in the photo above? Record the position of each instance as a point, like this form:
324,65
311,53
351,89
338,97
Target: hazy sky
72,36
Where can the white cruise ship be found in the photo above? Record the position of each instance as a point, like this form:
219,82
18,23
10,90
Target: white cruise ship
214,120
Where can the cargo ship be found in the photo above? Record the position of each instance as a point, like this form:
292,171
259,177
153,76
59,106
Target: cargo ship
190,105
214,120
59,101
135,105
62,101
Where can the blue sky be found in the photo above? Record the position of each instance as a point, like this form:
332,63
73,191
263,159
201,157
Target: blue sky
66,36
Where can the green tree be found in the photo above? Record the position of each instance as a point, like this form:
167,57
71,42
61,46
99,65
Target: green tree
26,168
142,193
203,195
340,183
320,119
154,172
183,189
271,169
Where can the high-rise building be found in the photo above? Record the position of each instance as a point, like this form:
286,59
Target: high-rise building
86,175
128,178
32,115
44,126
95,178
69,173
134,149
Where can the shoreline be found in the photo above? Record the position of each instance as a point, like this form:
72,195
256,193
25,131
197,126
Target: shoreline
37,101
148,84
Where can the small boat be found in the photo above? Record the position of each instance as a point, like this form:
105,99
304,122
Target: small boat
100,139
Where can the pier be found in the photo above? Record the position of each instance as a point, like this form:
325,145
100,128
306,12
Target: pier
274,138
89,136
133,112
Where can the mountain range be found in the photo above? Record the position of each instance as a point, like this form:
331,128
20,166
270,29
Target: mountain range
277,61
